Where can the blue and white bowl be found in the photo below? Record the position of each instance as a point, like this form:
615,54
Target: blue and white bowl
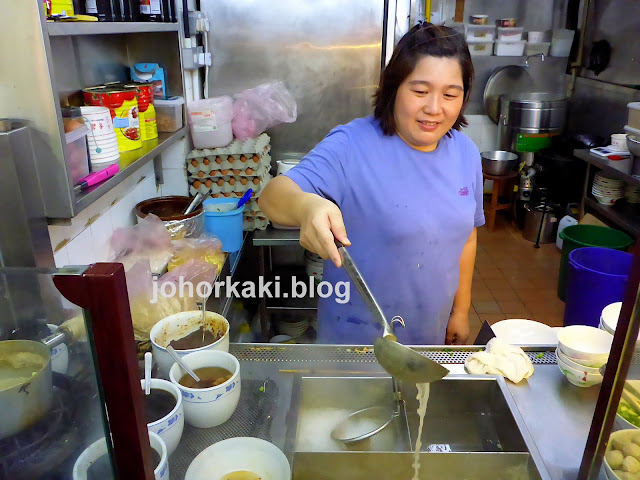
208,407
169,427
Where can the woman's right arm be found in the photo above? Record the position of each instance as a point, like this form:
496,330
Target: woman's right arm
319,219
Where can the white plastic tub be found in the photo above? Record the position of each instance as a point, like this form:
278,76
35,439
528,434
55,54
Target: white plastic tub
480,48
510,34
480,33
509,49
169,113
536,36
561,42
210,122
634,115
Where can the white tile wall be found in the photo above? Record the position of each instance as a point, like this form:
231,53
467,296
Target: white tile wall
484,134
86,239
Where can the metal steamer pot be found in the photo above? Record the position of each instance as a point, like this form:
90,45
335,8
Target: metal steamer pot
26,389
528,120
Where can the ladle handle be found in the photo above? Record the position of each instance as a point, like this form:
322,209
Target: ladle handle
363,288
171,351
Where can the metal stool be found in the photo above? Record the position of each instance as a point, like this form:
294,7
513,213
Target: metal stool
498,182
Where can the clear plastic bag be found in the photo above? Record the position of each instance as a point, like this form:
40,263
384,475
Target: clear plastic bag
262,107
206,248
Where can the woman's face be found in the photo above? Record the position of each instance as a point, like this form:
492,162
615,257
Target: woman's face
428,102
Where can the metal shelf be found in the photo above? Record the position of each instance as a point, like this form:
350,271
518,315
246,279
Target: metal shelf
623,214
603,164
271,237
134,161
107,28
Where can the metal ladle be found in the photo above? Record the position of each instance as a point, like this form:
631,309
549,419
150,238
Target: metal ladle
398,360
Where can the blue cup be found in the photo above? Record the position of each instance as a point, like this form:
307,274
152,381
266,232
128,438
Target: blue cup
224,220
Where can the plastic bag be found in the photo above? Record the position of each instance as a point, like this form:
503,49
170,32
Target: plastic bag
206,248
194,272
149,239
260,108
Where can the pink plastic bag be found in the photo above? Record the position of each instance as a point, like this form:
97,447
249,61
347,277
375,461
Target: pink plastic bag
260,108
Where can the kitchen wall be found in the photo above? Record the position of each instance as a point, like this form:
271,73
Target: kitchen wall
86,239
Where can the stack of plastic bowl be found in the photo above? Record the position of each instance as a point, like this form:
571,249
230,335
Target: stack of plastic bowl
582,350
607,190
103,145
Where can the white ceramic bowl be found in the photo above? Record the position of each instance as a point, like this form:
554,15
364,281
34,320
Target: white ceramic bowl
170,426
564,359
588,346
99,448
209,407
577,377
619,435
59,354
179,325
524,332
241,453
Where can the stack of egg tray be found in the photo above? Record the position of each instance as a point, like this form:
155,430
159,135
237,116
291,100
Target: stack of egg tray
230,171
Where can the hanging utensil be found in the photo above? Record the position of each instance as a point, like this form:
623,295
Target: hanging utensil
148,357
180,362
197,200
398,360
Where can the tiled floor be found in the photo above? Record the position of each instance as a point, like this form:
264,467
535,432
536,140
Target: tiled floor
512,279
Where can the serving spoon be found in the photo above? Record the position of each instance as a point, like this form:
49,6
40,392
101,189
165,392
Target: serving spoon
399,361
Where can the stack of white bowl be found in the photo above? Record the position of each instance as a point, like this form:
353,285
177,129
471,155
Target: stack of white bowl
581,351
103,145
313,265
609,319
294,329
607,190
632,193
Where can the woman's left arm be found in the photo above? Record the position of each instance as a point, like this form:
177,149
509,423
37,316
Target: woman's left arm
458,327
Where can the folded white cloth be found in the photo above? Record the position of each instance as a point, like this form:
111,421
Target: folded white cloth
500,358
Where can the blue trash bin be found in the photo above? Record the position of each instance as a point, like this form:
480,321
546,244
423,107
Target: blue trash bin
596,277
222,219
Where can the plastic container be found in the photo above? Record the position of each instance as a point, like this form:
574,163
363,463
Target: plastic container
634,115
565,222
621,163
619,142
75,154
509,49
169,114
479,19
210,122
561,42
510,34
596,278
222,219
480,33
577,236
480,48
536,37
536,48
506,22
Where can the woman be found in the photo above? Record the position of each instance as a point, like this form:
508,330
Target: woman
403,190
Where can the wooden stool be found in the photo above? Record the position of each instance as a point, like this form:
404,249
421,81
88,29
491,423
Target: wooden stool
499,181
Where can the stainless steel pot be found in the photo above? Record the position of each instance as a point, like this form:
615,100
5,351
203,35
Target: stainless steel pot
498,162
26,391
532,219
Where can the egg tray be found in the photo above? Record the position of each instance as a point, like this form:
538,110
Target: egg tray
228,184
250,223
259,145
238,165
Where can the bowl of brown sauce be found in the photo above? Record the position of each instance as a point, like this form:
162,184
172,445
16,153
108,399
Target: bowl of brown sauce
211,401
187,333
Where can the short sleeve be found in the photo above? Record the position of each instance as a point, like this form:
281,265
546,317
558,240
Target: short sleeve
478,220
322,171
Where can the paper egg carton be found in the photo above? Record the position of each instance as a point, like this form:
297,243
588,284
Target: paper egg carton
259,145
228,184
237,165
251,223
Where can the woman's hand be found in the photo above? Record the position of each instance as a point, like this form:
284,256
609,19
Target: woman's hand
321,221
457,329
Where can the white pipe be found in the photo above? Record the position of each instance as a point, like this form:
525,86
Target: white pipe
197,87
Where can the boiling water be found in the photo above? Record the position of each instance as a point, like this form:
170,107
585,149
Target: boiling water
423,398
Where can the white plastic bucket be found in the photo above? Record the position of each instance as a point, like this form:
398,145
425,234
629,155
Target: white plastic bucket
561,42
210,122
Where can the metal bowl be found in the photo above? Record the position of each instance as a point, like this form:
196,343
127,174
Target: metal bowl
633,144
499,162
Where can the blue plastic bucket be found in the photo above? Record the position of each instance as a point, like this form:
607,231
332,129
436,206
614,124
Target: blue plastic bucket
596,277
224,223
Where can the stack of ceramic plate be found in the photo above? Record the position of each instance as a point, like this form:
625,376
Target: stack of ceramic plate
292,328
103,145
607,190
632,193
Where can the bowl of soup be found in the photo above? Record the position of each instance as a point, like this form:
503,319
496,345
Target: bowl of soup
211,401
187,333
165,415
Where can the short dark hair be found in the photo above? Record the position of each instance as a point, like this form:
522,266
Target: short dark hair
425,39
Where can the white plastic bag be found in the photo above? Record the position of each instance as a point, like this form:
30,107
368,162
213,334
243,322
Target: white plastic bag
260,108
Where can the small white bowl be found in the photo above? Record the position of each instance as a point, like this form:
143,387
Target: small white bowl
619,435
564,359
588,346
99,448
241,453
209,407
179,325
170,426
578,378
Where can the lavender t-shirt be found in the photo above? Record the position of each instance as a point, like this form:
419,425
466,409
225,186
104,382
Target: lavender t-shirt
408,215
